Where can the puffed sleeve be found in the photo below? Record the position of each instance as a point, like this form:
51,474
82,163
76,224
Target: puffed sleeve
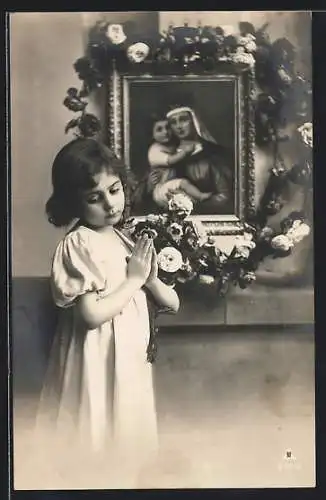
75,270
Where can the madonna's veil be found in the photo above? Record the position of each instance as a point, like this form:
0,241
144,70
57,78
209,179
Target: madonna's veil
200,127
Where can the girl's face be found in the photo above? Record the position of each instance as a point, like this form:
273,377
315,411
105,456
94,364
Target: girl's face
161,132
103,205
182,125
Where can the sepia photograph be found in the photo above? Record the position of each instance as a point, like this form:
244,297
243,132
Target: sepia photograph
162,288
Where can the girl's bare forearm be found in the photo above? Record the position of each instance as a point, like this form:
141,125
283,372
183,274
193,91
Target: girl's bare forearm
96,310
164,295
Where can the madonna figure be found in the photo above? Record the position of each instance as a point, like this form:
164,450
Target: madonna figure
208,167
184,157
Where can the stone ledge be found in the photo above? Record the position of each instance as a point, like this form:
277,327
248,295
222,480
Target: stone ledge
32,308
197,309
270,305
257,305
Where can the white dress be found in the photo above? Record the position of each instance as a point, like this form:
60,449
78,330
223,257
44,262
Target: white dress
98,394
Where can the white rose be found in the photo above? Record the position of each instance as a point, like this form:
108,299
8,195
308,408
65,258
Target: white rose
250,37
242,40
297,233
116,34
169,259
206,279
243,252
138,52
244,241
248,42
243,58
306,132
152,218
181,202
281,242
244,245
251,46
296,224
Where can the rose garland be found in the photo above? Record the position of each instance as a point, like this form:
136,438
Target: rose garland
282,96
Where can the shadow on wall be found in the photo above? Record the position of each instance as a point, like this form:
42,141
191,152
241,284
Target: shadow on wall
34,321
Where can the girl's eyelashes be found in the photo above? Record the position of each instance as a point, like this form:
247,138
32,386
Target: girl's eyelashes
115,188
96,197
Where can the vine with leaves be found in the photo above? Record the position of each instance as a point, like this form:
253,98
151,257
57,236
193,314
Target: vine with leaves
282,97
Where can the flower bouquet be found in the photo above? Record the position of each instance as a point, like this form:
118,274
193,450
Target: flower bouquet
184,251
186,254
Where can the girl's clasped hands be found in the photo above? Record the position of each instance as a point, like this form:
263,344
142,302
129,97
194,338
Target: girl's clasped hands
142,264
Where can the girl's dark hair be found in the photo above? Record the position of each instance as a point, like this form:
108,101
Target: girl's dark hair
74,169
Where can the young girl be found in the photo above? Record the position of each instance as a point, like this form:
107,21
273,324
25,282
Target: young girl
162,155
98,392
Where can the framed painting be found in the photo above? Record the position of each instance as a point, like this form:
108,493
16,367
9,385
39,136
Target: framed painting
192,134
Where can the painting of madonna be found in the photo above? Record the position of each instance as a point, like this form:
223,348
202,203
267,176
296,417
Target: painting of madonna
183,156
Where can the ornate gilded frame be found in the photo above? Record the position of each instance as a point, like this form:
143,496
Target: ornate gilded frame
243,78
